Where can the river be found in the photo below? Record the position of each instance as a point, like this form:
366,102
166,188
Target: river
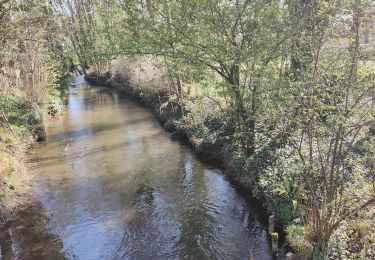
112,184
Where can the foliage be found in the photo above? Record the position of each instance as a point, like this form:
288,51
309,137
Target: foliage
298,238
32,61
292,83
281,91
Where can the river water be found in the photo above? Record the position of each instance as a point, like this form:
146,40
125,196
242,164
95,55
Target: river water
113,184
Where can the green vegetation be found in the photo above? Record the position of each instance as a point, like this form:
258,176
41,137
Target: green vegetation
281,91
31,70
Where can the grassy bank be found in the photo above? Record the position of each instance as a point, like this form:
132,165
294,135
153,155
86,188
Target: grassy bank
21,124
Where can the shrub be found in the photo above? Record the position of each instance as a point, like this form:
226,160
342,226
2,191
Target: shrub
296,236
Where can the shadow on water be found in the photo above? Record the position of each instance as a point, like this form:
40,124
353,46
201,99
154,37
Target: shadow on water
93,129
28,237
40,162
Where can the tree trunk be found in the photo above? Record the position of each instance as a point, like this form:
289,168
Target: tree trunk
245,124
180,96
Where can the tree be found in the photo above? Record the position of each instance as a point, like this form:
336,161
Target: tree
238,40
333,89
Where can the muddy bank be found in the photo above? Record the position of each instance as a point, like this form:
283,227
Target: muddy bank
15,180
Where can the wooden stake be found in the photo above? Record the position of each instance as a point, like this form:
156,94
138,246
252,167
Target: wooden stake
271,224
275,241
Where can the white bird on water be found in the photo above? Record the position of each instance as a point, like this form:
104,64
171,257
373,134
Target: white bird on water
66,149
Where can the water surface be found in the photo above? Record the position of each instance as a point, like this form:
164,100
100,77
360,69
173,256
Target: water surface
112,184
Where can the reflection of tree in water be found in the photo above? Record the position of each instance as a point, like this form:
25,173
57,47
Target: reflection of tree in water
98,96
150,225
196,233
157,230
29,239
139,235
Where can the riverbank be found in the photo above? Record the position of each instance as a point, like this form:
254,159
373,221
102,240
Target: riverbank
22,124
167,112
202,126
202,119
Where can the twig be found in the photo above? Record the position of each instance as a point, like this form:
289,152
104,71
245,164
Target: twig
6,121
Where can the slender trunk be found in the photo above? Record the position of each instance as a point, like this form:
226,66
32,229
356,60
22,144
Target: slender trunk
251,138
6,121
234,81
252,121
246,124
180,96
